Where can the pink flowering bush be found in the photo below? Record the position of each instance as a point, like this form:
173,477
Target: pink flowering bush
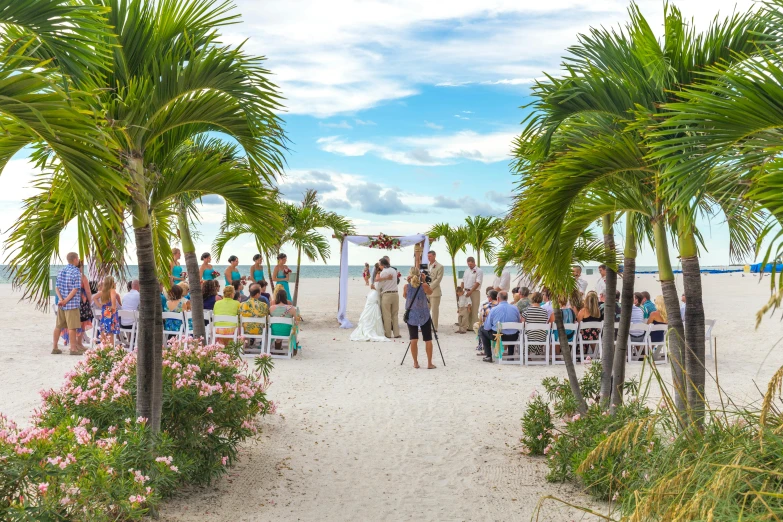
87,436
536,425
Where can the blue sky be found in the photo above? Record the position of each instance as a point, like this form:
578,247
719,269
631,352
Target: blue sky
402,113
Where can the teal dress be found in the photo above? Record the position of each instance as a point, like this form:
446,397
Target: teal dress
234,277
258,275
176,273
284,283
208,275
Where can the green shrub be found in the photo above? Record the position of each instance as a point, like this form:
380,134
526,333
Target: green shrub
559,390
536,425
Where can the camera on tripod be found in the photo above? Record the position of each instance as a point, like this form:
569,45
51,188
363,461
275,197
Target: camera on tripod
425,273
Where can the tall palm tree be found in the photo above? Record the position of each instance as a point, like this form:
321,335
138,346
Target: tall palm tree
597,124
170,81
481,231
456,239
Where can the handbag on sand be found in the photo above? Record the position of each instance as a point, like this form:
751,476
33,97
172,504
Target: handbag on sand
408,309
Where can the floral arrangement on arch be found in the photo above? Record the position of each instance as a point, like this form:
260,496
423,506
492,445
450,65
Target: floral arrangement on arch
384,242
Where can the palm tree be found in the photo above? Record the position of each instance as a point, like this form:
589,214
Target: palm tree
481,231
171,81
593,134
456,239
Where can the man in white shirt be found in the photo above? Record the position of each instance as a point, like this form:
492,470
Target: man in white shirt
600,286
682,307
581,282
503,281
471,282
386,283
130,301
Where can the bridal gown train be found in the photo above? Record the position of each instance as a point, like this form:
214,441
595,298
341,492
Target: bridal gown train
370,327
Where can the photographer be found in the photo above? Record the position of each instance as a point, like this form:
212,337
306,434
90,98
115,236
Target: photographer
418,315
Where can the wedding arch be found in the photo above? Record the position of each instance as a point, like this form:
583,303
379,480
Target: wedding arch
382,242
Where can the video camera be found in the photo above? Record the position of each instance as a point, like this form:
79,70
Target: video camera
425,273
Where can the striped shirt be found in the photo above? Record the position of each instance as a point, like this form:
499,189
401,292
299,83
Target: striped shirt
637,316
536,314
68,279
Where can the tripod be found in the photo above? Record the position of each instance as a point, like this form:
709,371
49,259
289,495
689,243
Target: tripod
437,341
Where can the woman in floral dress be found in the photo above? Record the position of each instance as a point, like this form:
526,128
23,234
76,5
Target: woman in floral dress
109,301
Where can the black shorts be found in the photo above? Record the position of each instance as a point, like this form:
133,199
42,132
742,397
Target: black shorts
426,331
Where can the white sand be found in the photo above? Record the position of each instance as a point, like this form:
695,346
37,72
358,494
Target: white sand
359,437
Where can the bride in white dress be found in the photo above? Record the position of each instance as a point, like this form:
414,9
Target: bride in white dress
370,327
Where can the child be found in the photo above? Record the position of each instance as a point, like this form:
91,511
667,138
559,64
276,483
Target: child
463,304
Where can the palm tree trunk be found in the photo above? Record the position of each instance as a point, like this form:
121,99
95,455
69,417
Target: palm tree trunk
194,281
298,264
676,333
565,349
156,400
607,343
694,326
454,273
626,305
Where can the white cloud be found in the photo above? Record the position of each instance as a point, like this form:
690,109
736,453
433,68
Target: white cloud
461,117
429,150
364,122
342,125
433,125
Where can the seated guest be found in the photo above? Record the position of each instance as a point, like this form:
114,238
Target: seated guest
209,290
514,295
488,305
524,299
226,306
175,303
647,305
602,299
503,312
658,316
254,306
185,290
264,293
576,302
238,287
546,304
130,302
682,308
282,308
535,314
590,312
637,317
568,317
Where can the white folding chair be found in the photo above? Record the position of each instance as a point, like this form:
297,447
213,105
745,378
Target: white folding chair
590,347
179,316
558,358
517,358
95,334
546,330
208,327
656,347
637,349
127,335
286,350
233,319
260,346
708,324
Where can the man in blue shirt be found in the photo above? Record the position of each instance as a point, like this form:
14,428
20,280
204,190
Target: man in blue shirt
648,306
68,287
502,313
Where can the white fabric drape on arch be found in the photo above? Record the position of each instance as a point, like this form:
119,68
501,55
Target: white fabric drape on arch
358,240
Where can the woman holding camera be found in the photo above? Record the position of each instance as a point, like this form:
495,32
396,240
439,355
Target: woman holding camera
417,315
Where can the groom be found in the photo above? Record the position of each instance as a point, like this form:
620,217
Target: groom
386,283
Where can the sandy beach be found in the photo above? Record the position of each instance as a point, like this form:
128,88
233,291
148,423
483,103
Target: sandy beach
359,437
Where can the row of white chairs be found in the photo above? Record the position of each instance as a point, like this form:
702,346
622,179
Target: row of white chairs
266,340
582,348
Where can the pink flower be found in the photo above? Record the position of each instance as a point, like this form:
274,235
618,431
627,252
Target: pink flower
587,361
534,394
576,417
175,469
43,487
141,420
224,460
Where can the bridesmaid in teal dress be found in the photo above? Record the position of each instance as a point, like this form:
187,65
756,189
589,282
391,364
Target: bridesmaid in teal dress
281,274
177,275
206,267
232,274
257,269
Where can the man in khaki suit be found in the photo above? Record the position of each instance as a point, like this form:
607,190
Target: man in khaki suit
436,273
386,284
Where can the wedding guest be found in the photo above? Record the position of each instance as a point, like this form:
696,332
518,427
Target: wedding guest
415,294
264,293
109,302
524,299
502,282
546,304
366,274
536,315
658,316
206,271
488,305
209,290
436,274
569,317
600,286
255,306
175,303
257,269
226,306
281,274
463,311
185,292
590,313
682,307
647,305
238,287
502,313
68,287
471,282
85,307
602,303
386,282
177,275
282,307
130,302
637,317
581,282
